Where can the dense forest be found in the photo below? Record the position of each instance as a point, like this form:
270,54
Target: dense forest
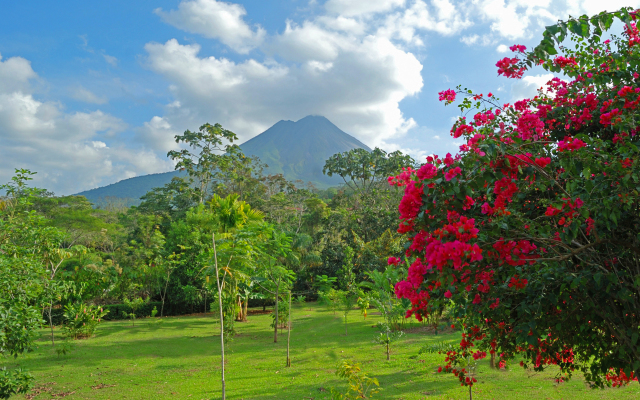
274,235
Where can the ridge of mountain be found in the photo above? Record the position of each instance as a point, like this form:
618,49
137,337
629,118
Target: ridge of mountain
297,150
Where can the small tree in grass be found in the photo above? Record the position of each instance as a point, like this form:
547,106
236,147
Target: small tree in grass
348,300
331,299
387,336
363,303
360,384
134,305
274,251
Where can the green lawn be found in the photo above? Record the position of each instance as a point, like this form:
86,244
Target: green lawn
179,359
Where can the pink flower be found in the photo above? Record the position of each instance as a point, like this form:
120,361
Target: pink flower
452,173
507,67
468,202
448,160
461,130
571,144
551,211
543,161
486,209
448,96
448,294
427,171
518,48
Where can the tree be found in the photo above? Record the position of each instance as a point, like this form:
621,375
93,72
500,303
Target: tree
170,202
532,230
23,277
370,203
232,214
348,300
274,251
209,154
219,284
363,170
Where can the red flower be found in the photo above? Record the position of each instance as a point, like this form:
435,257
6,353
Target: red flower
452,173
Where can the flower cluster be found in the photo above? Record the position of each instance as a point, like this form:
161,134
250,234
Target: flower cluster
448,96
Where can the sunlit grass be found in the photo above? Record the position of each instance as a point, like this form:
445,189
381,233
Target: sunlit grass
179,358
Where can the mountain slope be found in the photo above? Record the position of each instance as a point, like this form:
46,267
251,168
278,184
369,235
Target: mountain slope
298,150
131,189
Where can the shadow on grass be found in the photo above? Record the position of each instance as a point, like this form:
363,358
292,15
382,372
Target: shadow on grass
392,384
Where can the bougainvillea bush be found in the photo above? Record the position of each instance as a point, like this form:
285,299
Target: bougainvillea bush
533,229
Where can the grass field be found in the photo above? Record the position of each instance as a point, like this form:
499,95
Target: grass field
179,359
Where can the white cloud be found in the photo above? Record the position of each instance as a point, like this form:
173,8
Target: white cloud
70,151
502,48
307,42
441,17
528,86
111,60
158,134
356,83
340,23
83,94
512,19
469,40
361,7
15,74
216,20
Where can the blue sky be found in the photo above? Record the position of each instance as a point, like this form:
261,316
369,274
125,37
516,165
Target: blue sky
93,92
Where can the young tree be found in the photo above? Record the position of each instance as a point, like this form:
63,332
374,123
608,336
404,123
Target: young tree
348,300
532,230
274,250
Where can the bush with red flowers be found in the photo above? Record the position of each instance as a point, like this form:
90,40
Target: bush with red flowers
533,229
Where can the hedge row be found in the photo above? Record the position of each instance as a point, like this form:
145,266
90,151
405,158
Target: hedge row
117,311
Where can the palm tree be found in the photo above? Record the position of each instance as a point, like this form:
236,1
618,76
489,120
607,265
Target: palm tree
233,214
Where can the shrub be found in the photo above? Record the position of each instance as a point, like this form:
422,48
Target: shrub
82,320
361,385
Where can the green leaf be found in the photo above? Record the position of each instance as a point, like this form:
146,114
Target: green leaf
604,21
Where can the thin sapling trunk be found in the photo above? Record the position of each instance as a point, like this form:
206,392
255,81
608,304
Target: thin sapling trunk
215,255
51,323
289,332
275,330
388,357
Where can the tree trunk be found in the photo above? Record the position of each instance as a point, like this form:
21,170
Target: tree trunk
224,396
239,314
246,307
345,324
289,332
492,362
275,325
166,285
51,325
